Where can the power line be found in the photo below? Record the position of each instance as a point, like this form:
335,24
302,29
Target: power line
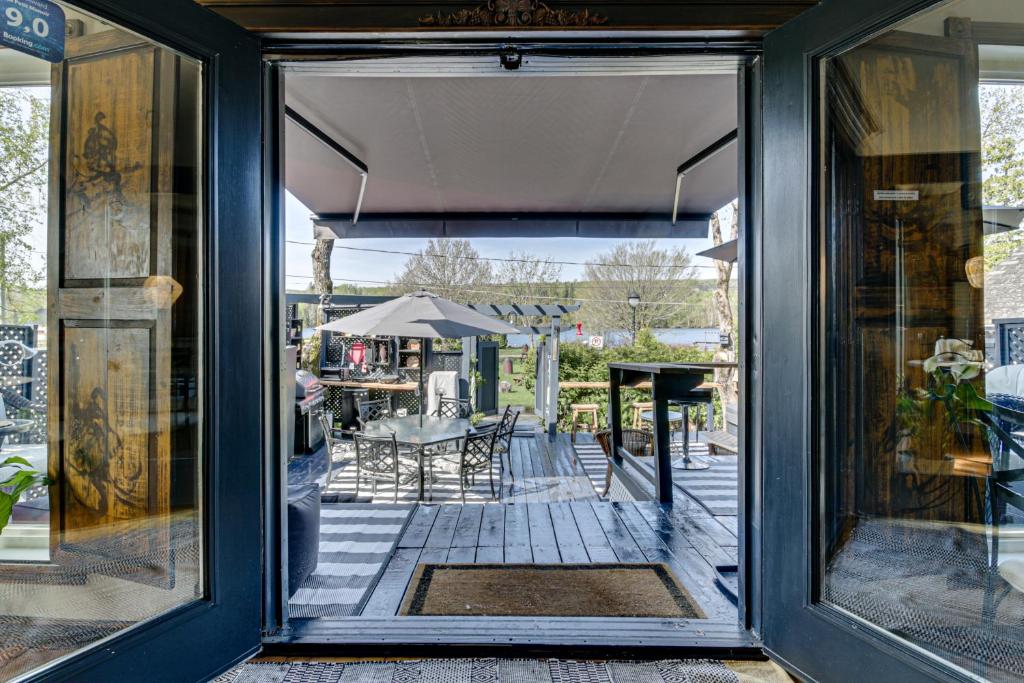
507,260
493,293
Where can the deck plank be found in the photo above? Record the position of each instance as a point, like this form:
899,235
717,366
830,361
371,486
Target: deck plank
621,541
490,555
465,554
492,526
467,529
387,595
567,535
694,529
595,541
420,522
686,563
517,534
542,534
443,531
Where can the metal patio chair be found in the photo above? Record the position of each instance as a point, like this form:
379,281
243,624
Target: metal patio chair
476,457
453,408
370,411
379,459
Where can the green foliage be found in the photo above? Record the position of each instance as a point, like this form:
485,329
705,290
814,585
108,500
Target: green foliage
582,363
24,140
999,246
16,477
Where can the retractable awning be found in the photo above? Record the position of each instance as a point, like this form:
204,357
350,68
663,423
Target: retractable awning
469,155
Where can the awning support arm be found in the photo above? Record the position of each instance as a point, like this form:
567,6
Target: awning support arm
357,164
698,159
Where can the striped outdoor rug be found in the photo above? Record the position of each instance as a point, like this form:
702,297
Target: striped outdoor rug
445,488
590,455
717,488
356,542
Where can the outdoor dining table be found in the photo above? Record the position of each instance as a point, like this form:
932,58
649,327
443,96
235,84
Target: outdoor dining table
420,431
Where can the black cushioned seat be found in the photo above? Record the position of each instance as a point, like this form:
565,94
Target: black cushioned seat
303,533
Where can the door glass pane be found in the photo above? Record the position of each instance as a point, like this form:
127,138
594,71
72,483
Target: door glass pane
923,373
100,385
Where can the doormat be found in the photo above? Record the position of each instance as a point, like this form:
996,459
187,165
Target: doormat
548,590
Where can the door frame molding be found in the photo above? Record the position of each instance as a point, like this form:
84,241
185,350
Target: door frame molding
797,631
232,318
575,44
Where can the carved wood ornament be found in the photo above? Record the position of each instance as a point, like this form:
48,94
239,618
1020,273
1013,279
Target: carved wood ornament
514,13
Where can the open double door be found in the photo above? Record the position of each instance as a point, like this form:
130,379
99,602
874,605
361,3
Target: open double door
785,499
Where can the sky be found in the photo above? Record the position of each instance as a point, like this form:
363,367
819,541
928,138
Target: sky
366,266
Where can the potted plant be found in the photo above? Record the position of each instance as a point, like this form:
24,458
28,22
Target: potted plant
16,476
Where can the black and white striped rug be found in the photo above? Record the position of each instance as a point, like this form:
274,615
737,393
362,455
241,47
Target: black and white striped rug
444,489
715,488
356,541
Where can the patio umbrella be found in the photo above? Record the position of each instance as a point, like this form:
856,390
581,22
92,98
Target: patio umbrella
423,315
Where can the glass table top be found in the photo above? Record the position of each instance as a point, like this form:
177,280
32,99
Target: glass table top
409,430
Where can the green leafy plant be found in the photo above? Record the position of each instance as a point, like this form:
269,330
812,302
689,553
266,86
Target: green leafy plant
16,477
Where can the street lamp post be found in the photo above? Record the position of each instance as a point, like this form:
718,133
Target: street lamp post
634,301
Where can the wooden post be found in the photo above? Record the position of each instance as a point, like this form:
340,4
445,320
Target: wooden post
539,391
551,415
662,443
466,367
615,412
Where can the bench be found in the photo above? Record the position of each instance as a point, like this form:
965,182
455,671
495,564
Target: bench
725,441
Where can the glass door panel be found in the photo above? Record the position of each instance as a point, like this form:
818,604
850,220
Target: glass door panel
923,176
104,453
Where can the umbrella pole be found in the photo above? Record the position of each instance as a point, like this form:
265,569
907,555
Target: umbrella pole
423,393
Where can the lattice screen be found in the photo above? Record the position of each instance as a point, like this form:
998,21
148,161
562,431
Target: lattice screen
1011,341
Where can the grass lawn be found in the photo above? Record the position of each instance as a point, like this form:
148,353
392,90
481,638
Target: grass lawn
519,396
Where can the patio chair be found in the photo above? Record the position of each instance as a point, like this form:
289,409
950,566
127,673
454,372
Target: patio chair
453,408
378,458
370,411
638,442
503,439
476,456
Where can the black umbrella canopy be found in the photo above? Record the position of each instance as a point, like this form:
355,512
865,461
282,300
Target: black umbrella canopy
420,314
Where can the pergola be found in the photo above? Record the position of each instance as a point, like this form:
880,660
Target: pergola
546,391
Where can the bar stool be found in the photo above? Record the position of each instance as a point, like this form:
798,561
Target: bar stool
580,410
638,409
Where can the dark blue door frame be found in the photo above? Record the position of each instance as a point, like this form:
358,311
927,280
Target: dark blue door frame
199,640
811,637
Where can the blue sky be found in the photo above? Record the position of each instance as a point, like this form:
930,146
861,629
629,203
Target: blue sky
385,267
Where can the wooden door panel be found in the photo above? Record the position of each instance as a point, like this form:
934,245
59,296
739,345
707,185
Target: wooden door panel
115,104
110,126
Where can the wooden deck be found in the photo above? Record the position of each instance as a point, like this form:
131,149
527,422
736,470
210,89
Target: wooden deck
550,512
684,537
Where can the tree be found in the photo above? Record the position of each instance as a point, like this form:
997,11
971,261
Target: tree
525,279
661,277
1002,151
452,269
728,389
24,152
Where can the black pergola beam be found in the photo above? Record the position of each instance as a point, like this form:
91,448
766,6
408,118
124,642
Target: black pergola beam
465,225
525,309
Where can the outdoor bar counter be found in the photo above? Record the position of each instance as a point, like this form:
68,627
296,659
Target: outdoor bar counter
682,382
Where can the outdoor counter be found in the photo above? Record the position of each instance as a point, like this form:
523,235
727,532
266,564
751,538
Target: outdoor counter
383,386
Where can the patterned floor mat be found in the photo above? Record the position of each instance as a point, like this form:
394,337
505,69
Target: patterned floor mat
508,671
